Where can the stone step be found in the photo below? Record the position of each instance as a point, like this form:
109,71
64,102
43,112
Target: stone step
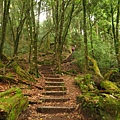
53,76
45,66
54,83
47,72
55,88
54,109
53,79
56,93
54,99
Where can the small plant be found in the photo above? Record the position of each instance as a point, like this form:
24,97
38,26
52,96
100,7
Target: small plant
1,65
85,83
100,106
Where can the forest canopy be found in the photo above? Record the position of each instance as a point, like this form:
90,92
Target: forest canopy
93,26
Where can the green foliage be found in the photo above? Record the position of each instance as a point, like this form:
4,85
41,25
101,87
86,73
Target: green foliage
1,64
79,56
106,60
85,83
10,75
8,49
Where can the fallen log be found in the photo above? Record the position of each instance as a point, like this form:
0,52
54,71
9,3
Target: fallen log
12,103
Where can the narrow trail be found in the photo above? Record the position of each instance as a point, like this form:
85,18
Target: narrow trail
57,100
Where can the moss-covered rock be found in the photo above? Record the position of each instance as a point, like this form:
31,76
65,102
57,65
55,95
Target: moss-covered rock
12,103
96,103
101,107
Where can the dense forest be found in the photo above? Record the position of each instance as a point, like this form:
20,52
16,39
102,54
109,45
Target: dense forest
83,33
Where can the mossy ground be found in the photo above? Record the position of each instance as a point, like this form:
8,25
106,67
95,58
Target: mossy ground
99,105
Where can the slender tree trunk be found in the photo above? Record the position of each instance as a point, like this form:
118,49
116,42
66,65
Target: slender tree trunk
59,50
29,27
115,31
61,27
68,23
117,35
17,39
91,39
4,24
34,35
85,35
56,22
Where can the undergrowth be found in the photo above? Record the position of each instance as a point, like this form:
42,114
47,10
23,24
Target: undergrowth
98,105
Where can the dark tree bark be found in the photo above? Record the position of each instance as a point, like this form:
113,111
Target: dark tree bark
59,50
61,27
19,28
4,24
17,39
115,31
91,38
56,22
85,35
34,39
117,35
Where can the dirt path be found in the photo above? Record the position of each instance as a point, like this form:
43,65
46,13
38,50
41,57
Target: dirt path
35,94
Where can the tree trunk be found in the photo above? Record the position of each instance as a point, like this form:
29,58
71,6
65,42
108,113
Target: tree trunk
115,31
61,28
30,35
91,38
85,35
104,80
17,39
56,22
33,64
95,67
4,24
117,35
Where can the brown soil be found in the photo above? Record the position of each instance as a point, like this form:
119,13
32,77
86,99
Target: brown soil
34,95
72,92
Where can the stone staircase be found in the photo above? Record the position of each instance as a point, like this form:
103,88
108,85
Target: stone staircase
54,97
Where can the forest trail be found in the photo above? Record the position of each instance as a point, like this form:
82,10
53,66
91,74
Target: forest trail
57,103
57,100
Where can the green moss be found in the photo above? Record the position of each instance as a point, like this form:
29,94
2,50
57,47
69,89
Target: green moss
118,116
1,64
85,83
22,73
13,102
109,86
99,105
105,107
10,75
78,80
